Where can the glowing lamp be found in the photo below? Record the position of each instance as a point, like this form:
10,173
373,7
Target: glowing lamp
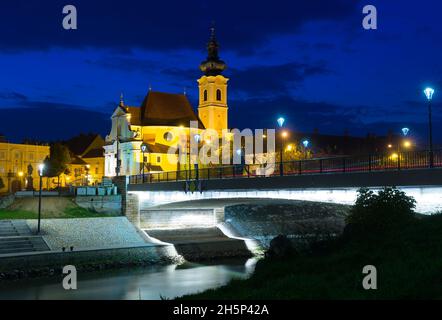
281,121
429,93
305,143
405,131
41,167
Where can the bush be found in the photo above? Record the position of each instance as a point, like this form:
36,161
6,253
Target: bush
280,248
380,212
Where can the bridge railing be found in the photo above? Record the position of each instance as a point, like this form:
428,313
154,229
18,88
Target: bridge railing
363,163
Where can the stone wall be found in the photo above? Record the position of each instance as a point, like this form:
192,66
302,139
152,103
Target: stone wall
301,221
102,204
177,218
131,209
50,263
121,183
6,201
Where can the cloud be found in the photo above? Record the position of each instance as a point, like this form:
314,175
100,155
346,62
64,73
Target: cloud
49,123
124,64
275,80
305,116
13,96
161,25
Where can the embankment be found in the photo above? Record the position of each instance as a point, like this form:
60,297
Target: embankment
301,221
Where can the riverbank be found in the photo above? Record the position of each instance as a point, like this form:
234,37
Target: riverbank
87,243
408,262
104,243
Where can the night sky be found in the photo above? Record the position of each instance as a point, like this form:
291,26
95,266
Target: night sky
309,60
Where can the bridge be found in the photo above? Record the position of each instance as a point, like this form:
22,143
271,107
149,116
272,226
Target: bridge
333,180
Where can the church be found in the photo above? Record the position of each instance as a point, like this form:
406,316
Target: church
163,119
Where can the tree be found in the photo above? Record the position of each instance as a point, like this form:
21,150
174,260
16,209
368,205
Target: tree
58,161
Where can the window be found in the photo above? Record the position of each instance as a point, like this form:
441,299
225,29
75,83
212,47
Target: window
205,95
2,155
218,95
168,136
31,156
158,159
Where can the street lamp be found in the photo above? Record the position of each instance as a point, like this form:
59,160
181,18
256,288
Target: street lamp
143,150
281,121
405,131
197,139
429,92
305,143
40,173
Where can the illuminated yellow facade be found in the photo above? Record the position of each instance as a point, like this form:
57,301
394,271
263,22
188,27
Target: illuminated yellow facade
212,109
14,162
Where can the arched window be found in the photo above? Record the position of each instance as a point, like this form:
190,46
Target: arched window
218,95
205,95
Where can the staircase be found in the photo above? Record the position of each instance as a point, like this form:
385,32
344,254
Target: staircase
22,244
16,237
11,228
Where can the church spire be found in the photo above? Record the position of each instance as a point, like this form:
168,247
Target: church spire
121,100
212,66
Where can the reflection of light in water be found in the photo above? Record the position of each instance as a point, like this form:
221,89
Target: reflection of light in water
149,283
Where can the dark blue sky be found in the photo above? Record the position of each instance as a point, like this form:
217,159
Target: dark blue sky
309,60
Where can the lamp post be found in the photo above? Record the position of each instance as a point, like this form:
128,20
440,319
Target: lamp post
40,173
305,143
143,150
405,132
197,139
281,121
429,92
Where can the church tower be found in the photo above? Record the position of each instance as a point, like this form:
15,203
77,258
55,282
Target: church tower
212,108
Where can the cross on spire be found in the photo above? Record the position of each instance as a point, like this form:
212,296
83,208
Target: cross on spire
121,100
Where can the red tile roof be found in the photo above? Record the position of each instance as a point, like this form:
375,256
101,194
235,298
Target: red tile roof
164,109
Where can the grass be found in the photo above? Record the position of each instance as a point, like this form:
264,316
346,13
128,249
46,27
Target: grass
408,262
72,212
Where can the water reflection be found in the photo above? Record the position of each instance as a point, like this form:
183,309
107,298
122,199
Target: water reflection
149,283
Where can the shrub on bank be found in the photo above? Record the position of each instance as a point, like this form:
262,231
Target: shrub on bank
379,212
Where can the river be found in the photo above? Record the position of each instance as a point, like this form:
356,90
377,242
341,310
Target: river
147,283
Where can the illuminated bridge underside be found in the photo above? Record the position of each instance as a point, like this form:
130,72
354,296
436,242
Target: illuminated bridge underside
425,185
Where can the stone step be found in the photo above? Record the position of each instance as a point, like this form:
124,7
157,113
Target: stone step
22,244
